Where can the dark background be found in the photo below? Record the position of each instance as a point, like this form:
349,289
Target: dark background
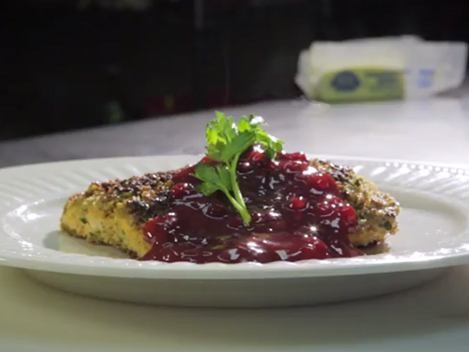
73,64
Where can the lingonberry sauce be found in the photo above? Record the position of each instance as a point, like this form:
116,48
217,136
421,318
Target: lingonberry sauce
297,213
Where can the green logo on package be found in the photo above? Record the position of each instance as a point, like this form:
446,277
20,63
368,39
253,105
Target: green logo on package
360,84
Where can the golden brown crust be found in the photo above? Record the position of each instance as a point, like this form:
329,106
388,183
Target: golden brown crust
143,195
377,211
114,212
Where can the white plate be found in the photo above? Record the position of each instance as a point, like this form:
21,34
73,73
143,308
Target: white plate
434,235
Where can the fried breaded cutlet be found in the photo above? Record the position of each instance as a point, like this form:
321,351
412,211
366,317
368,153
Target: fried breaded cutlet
115,212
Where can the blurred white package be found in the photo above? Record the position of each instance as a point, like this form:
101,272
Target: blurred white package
380,68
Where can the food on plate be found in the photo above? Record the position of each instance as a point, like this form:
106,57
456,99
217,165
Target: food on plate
246,200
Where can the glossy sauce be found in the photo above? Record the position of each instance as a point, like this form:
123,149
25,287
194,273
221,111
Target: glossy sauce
297,213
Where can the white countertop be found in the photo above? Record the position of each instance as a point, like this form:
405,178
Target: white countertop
431,130
431,318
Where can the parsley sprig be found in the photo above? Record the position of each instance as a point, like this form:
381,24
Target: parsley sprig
226,141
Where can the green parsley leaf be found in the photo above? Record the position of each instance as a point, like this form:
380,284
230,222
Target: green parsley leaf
208,188
226,141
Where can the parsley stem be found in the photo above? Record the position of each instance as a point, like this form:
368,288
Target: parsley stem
243,209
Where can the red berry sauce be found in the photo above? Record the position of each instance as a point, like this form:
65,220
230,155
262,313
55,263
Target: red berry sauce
297,213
